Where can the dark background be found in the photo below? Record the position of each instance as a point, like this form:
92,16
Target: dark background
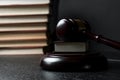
103,17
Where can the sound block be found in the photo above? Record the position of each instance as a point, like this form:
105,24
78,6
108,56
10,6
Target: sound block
70,61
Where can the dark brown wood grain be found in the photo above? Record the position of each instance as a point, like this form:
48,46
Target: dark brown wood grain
103,40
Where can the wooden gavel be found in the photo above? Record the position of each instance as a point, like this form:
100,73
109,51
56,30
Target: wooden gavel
78,30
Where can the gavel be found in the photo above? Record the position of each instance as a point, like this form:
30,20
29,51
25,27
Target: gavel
79,30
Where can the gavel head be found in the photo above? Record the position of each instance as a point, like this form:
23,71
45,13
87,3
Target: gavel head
72,30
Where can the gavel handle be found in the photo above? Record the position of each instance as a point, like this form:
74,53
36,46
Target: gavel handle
101,39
